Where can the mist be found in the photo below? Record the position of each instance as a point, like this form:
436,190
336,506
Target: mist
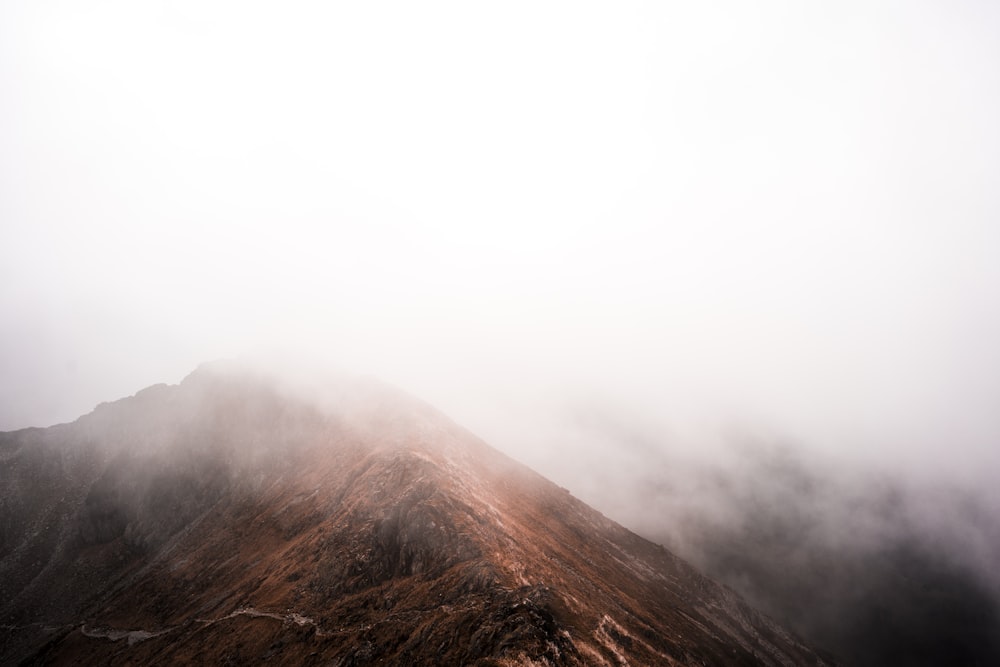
618,243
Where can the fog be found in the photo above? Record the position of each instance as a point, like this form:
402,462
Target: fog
615,240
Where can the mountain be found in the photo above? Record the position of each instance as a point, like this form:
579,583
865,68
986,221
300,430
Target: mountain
238,519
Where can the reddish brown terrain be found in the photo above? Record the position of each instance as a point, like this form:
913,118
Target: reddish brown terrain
231,519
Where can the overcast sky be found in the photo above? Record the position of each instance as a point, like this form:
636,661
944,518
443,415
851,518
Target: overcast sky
783,215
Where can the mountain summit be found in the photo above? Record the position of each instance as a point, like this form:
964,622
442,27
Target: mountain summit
237,519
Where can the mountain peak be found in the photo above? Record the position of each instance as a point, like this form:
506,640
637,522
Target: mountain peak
237,518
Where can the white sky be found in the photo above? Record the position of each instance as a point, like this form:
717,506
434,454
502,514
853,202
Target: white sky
785,213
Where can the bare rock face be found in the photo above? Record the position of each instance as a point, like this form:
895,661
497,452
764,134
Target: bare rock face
232,519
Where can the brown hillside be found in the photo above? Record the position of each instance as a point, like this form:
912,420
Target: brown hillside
231,520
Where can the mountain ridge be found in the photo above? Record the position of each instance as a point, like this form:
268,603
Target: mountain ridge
230,519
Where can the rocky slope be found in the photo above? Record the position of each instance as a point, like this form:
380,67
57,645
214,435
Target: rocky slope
233,519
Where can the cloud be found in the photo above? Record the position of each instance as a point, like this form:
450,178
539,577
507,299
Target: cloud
591,234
